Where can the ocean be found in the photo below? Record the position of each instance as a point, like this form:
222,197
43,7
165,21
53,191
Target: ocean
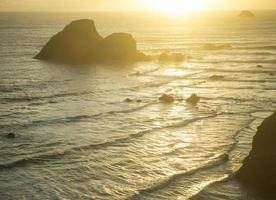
76,137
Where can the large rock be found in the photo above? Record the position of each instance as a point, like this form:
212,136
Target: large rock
74,44
259,168
117,47
246,14
80,43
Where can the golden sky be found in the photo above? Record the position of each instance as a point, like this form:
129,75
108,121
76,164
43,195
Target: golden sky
129,5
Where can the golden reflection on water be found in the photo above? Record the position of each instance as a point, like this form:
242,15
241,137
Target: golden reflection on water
175,72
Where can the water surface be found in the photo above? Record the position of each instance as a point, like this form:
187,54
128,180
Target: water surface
76,138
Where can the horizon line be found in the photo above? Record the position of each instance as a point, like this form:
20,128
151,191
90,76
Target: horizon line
125,11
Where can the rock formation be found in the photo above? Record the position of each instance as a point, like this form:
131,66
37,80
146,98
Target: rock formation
193,99
246,14
216,77
259,168
10,136
80,43
117,47
74,44
217,46
165,98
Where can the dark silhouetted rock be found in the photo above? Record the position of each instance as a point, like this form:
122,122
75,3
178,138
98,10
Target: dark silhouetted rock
128,100
174,57
217,46
259,168
216,77
166,98
193,99
80,43
74,44
10,136
140,56
117,47
226,157
260,66
246,14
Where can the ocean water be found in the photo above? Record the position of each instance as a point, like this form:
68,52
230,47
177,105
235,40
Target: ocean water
76,138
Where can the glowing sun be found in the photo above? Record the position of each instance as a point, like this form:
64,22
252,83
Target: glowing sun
177,6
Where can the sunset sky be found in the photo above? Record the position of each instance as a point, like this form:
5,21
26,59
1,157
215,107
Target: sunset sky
127,5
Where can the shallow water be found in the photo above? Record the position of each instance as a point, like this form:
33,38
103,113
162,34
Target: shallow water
76,138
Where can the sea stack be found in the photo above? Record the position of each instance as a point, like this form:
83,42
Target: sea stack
259,168
118,47
80,43
246,14
74,44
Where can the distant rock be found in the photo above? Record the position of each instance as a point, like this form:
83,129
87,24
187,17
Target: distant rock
10,136
80,43
260,66
193,99
166,98
128,100
246,14
216,77
140,56
259,168
217,46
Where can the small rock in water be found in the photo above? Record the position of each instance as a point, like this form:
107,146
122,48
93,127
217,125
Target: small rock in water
216,77
10,136
138,100
217,46
193,99
137,73
128,100
272,73
246,14
260,66
226,157
166,98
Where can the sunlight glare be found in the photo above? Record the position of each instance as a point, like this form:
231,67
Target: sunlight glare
177,6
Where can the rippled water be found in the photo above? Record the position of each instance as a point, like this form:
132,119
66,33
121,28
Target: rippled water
76,138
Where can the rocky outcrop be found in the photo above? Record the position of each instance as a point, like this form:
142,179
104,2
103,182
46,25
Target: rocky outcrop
216,77
259,168
74,44
193,99
80,43
166,98
10,136
217,46
118,47
246,14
